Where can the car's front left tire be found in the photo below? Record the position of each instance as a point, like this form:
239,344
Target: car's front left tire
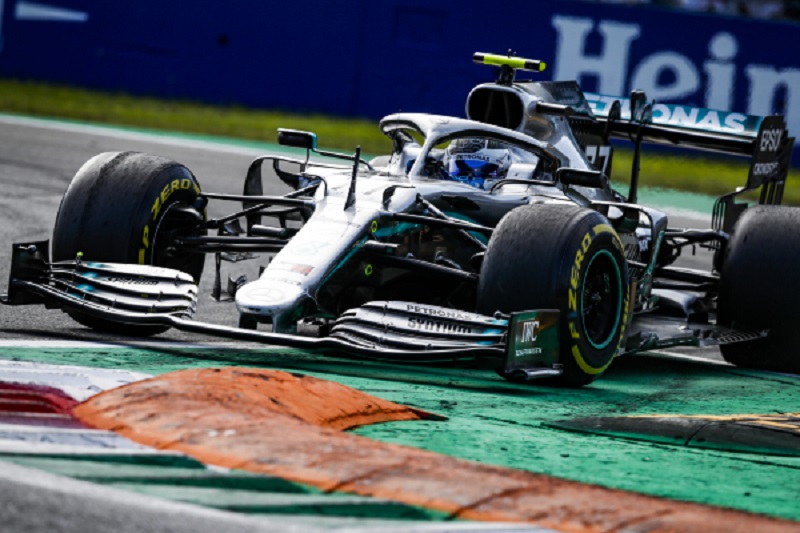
120,208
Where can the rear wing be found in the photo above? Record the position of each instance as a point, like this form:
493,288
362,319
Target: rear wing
764,139
759,137
696,127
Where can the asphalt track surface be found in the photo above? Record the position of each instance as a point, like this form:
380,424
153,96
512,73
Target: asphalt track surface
36,165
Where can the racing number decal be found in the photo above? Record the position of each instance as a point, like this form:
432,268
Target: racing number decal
599,156
576,274
161,200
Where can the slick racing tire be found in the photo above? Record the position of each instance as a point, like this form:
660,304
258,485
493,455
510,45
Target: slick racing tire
759,289
120,208
561,256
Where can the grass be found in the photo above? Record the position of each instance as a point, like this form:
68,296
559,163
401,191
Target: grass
706,174
40,99
703,174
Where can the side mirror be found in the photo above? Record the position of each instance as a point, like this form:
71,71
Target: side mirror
581,178
297,139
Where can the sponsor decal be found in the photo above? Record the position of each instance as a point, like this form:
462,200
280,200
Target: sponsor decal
295,268
681,116
765,156
764,169
770,140
529,330
467,146
132,280
439,312
533,340
524,352
529,333
438,326
669,75
472,157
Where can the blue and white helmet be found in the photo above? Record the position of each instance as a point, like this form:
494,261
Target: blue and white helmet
473,161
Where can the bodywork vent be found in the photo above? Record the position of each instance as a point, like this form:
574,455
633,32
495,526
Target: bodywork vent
496,106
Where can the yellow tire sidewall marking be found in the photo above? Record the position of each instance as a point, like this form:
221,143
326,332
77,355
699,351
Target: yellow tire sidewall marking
577,274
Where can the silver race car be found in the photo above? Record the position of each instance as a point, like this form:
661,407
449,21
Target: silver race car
495,239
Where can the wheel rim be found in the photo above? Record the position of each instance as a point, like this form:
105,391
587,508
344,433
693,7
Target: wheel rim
601,299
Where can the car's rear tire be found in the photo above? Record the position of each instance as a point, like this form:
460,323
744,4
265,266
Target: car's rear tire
759,288
560,256
119,208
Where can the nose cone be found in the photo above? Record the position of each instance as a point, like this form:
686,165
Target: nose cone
270,301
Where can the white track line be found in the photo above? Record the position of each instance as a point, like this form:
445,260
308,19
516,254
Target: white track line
79,382
164,344
676,355
120,133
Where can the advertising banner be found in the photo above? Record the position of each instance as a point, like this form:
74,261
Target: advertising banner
369,59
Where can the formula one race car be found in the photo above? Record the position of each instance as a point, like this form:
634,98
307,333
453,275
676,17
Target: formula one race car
496,238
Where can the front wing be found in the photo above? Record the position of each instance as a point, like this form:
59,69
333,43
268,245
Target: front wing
523,345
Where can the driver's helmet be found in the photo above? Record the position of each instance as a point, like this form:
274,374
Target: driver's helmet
476,161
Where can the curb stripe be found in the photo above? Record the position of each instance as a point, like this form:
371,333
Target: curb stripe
291,426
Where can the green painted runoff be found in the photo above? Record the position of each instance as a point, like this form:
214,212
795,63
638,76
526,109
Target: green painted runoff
496,422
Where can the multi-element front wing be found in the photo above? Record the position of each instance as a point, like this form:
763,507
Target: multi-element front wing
523,345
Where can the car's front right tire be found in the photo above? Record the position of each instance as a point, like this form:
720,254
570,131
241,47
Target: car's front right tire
561,256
